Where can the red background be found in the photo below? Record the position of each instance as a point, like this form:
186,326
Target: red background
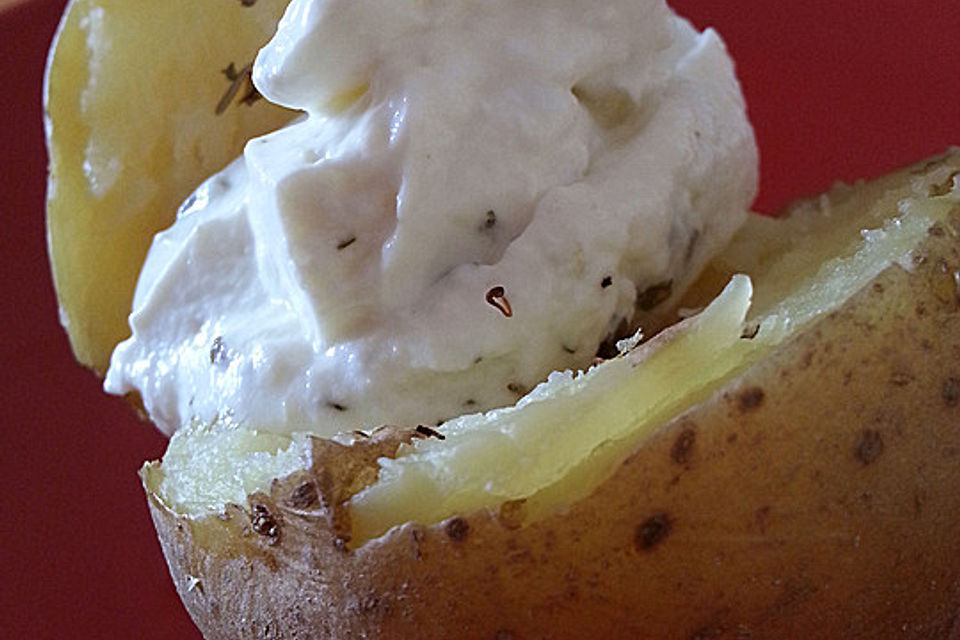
837,90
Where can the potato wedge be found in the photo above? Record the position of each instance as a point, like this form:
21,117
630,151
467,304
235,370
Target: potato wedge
813,490
141,99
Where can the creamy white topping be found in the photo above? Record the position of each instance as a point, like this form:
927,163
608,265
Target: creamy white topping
480,192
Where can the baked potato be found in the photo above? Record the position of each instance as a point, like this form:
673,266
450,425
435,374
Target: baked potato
786,468
789,473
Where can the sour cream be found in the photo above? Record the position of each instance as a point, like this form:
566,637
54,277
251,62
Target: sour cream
479,192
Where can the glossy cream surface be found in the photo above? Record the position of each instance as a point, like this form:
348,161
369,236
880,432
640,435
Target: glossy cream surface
479,193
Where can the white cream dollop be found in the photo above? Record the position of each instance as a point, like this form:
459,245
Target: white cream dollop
344,272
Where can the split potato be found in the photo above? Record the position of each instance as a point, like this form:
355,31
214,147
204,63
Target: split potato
808,485
784,463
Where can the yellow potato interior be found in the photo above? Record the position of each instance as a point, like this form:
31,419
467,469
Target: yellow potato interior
140,107
562,440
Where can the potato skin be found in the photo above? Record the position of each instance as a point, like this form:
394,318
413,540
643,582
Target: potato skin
815,496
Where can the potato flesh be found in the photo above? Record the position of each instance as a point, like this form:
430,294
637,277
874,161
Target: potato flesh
212,465
546,455
513,453
131,93
817,237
